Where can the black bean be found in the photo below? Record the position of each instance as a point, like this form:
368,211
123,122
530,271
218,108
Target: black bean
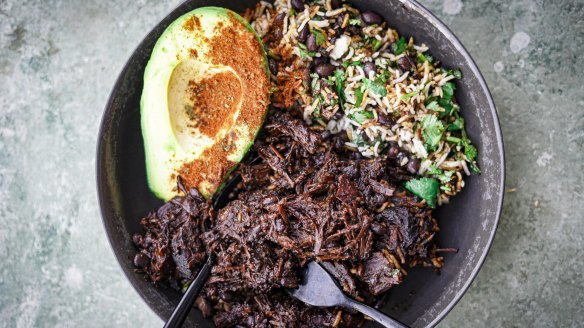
298,5
369,67
393,151
338,32
354,30
370,17
385,119
141,260
338,143
340,20
324,70
278,26
273,66
340,139
307,78
405,63
336,4
357,155
326,135
413,165
319,60
226,296
303,34
311,43
339,114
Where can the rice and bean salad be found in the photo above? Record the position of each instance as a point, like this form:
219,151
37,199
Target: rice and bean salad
351,74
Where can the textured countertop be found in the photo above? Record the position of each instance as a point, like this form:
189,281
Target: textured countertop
59,60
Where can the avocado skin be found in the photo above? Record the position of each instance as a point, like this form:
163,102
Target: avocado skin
163,152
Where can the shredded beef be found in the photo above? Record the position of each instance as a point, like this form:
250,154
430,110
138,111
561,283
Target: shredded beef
303,201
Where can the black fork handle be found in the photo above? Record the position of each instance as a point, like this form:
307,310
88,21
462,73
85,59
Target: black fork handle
177,318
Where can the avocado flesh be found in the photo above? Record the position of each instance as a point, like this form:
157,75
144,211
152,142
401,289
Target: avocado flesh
178,131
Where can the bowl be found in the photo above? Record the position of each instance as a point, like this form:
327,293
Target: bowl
468,223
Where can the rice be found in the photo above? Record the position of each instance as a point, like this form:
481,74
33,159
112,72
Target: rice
407,99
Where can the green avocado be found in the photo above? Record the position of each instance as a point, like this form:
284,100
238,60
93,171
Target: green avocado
205,97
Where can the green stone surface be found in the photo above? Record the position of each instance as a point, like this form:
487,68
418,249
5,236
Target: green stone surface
59,60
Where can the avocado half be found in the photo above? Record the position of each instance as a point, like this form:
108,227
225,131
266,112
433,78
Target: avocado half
205,97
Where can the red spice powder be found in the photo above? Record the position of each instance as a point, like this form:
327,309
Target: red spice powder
215,102
192,23
233,45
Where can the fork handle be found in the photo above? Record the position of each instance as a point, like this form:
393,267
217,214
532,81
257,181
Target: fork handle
374,314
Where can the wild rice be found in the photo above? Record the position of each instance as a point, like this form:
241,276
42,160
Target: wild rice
405,100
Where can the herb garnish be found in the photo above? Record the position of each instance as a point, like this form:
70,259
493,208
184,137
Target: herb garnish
432,130
304,53
361,116
319,36
400,46
425,188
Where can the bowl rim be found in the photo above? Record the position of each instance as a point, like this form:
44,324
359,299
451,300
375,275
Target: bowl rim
432,19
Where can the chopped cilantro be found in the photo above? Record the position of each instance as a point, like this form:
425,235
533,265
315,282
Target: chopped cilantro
358,139
400,46
353,63
355,21
377,44
421,57
315,86
446,104
185,287
304,53
470,152
358,97
430,99
319,36
458,124
340,79
474,168
445,177
407,96
446,188
377,86
448,90
454,139
433,106
425,188
361,117
433,170
457,73
384,76
432,130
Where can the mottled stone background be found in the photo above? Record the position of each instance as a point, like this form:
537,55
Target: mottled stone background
59,59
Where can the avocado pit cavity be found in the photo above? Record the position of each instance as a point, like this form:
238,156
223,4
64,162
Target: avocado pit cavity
203,99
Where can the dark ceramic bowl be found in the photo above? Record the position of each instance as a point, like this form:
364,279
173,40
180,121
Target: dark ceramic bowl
467,223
